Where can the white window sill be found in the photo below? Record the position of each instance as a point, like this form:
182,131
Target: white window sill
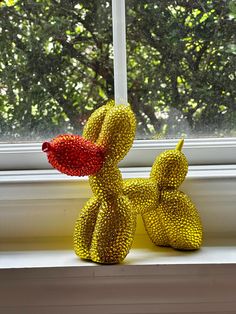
48,278
59,253
40,273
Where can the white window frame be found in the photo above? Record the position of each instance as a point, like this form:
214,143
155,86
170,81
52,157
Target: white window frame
202,151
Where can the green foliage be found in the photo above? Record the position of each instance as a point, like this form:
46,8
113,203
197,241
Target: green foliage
182,66
56,66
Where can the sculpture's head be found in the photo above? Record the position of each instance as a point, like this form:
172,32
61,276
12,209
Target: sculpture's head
107,137
74,155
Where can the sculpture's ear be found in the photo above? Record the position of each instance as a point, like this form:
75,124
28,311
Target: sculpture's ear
94,124
117,132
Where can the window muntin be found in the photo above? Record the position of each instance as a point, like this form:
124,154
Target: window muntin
56,67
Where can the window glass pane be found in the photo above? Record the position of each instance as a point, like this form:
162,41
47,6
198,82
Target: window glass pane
56,66
181,67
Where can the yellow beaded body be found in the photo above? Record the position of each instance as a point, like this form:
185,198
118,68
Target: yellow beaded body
175,221
143,194
105,229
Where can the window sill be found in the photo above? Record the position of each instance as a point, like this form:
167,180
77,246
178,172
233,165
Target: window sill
41,274
49,278
59,252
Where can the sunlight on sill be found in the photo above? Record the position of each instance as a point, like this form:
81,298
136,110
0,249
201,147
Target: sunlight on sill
59,253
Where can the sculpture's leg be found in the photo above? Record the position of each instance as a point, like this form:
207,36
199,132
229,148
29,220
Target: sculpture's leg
84,228
154,227
114,231
180,220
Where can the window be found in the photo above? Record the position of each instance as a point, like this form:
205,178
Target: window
181,67
56,67
55,64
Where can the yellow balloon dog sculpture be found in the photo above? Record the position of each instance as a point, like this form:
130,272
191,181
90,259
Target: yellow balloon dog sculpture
105,229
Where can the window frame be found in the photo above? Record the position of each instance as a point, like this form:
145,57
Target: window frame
202,151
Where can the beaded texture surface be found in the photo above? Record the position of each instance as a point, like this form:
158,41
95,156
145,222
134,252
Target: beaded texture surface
74,155
175,221
105,228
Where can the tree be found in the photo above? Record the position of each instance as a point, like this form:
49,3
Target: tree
56,66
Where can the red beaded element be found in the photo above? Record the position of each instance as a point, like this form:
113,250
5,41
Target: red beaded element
74,155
